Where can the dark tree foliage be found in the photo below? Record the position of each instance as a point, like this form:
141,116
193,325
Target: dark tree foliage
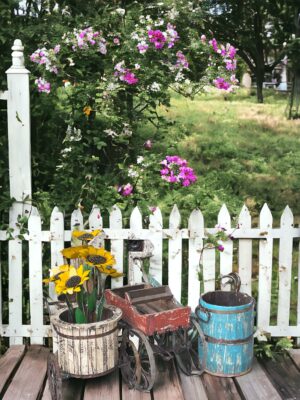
258,28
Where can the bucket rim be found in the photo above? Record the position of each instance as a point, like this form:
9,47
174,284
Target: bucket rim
210,306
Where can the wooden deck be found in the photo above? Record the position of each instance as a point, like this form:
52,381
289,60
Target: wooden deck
23,376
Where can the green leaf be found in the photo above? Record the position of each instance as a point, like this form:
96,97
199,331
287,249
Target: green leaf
99,308
92,301
79,316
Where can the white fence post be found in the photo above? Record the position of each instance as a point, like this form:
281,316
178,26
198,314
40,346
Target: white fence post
18,121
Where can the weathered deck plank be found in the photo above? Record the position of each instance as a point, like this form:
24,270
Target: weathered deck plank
167,385
8,363
24,377
29,379
220,388
256,385
192,387
285,377
295,356
105,387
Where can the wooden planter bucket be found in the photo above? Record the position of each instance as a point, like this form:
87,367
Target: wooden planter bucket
87,350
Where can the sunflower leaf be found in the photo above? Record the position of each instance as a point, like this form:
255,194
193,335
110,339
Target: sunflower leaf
99,308
79,316
92,297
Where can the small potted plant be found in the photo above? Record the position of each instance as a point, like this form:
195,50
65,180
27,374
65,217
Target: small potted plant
86,330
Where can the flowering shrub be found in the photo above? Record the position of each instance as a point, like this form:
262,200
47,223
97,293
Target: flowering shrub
175,170
108,76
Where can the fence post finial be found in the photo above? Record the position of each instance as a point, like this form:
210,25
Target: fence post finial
17,54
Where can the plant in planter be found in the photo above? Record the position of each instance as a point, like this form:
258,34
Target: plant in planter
86,330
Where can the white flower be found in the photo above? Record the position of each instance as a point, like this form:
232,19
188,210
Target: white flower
140,159
179,77
120,11
110,132
137,66
132,173
111,86
155,87
173,14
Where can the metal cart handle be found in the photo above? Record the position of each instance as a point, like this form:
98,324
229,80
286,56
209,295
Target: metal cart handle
234,281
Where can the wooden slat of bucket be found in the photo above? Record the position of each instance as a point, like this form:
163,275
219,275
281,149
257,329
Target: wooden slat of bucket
256,385
224,221
9,362
285,267
245,253
196,229
35,276
209,269
265,269
175,254
117,245
155,236
29,379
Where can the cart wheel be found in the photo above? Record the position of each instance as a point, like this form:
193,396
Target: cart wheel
137,360
54,377
190,348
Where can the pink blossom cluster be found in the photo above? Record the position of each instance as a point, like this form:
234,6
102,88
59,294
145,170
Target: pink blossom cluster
125,74
85,38
45,57
43,85
159,39
125,190
176,170
181,62
228,54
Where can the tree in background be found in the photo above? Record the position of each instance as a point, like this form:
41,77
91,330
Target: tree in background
294,57
259,29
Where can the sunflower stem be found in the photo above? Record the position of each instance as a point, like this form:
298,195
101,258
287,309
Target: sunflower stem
70,308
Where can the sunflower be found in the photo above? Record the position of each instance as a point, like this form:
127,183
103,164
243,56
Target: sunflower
108,270
99,257
85,236
75,252
56,272
71,280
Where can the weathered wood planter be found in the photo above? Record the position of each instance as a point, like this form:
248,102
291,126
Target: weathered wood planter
87,350
226,319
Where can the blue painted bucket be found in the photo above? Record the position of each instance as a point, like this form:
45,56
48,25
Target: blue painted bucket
226,319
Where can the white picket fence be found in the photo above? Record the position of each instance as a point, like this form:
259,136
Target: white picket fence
241,248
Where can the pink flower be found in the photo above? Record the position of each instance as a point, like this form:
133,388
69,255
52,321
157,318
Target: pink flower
181,60
126,190
214,44
203,38
130,78
142,47
157,37
116,41
176,170
148,144
230,65
43,85
220,83
220,247
56,49
232,52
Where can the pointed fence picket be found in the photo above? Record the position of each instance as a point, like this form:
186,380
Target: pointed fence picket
245,252
175,254
116,245
285,267
265,268
96,222
202,262
156,237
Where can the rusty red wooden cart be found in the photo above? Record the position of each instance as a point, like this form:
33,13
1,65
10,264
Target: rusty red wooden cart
154,324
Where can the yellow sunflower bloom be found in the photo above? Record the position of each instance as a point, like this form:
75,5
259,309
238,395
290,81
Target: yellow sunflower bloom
99,257
75,252
85,236
56,272
71,280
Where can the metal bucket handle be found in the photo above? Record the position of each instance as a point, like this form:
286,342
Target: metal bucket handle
234,281
199,309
